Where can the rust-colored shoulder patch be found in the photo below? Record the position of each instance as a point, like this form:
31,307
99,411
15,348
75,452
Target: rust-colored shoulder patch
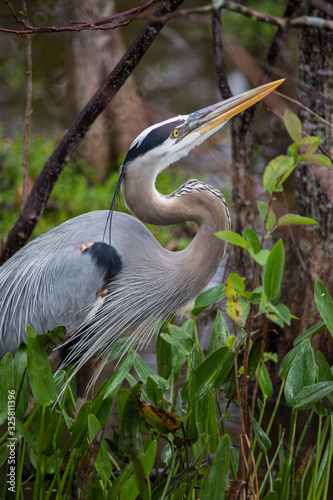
84,246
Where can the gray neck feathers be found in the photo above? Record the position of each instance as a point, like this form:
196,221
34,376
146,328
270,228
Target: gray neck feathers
193,201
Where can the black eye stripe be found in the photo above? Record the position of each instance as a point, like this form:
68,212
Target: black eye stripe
153,139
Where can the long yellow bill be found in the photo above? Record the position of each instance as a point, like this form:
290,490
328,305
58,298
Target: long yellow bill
211,117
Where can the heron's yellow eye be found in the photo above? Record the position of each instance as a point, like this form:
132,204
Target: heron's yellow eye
175,132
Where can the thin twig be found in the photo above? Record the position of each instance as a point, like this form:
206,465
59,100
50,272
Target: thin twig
320,147
282,22
17,18
131,13
302,21
25,166
300,105
115,21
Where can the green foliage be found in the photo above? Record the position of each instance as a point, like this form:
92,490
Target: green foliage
66,446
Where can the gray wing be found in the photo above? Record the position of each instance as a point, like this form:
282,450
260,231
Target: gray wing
53,281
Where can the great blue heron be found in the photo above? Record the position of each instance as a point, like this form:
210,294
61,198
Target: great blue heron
101,290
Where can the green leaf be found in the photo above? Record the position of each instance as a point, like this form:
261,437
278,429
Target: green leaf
224,370
102,464
216,484
144,372
7,393
191,420
232,237
208,297
324,406
273,272
324,304
174,483
263,440
197,356
154,393
301,374
324,371
130,441
142,478
271,218
293,220
212,428
261,257
321,160
283,312
288,360
313,142
206,371
272,495
276,172
265,382
119,485
179,338
163,357
237,283
310,332
118,376
220,333
313,393
252,240
40,372
293,125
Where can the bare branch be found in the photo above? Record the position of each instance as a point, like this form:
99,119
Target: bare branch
219,55
128,14
25,168
115,21
41,190
124,18
310,21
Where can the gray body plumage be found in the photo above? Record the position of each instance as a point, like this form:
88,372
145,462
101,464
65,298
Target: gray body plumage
59,285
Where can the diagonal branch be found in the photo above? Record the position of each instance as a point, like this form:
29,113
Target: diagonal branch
27,119
41,190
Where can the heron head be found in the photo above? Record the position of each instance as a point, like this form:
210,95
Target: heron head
160,145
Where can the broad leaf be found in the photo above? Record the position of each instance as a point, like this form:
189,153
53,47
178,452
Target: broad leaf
312,393
102,464
220,333
263,440
252,240
276,172
321,160
324,304
310,332
208,297
294,219
293,125
231,237
270,218
301,374
40,372
216,483
273,272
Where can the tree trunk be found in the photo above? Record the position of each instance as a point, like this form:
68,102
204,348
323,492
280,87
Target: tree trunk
313,189
91,57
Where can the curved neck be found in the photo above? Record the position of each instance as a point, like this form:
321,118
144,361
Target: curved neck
194,201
